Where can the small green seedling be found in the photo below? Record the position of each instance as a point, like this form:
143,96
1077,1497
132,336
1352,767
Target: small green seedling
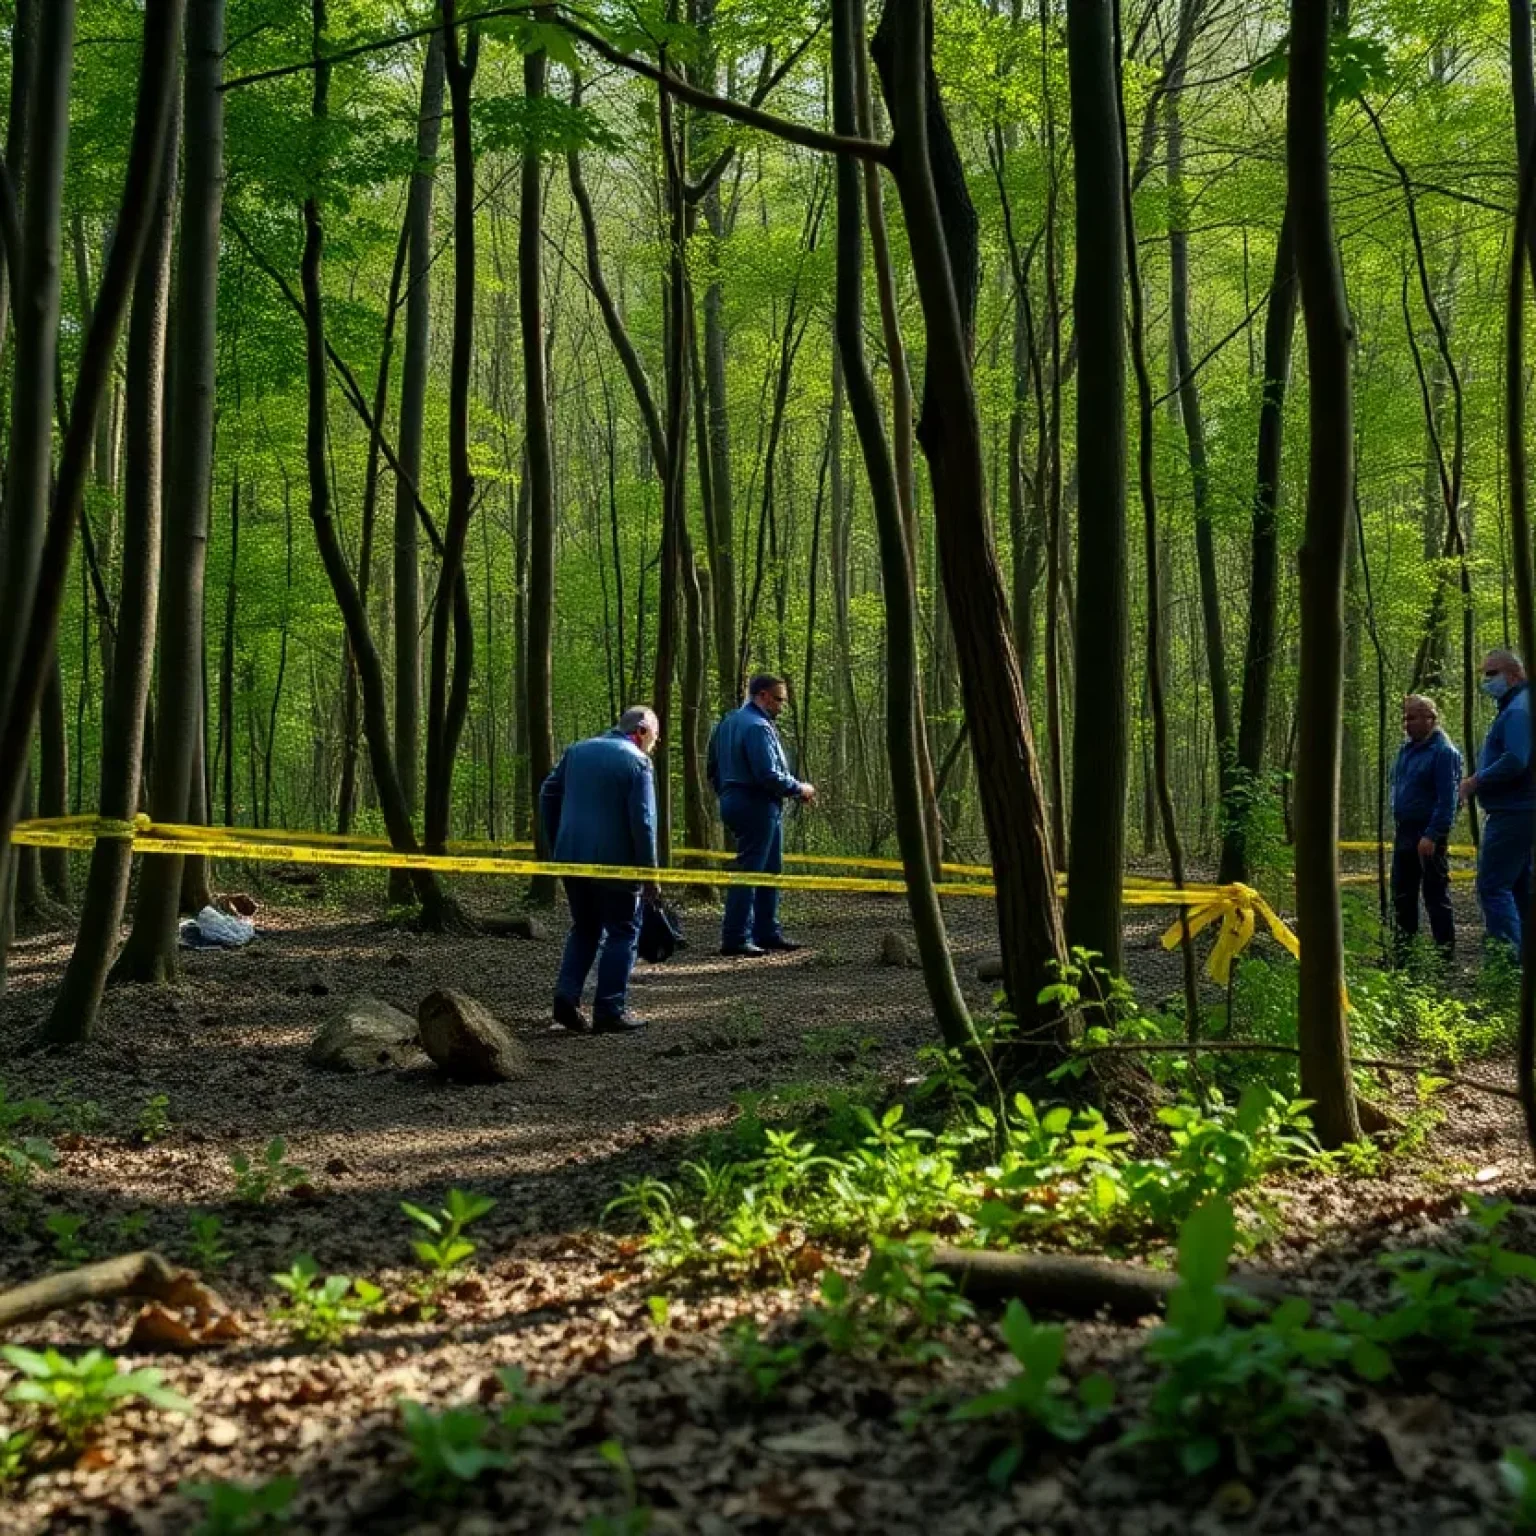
22,1155
258,1182
660,1309
78,1394
1038,1399
132,1227
242,1509
154,1123
324,1310
69,1247
633,1518
206,1244
522,1409
447,1250
450,1450
14,1446
765,1365
1517,1471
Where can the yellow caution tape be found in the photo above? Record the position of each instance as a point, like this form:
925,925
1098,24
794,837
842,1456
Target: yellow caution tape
1456,850
1236,907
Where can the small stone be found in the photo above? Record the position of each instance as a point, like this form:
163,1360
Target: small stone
220,1434
398,962
366,1036
896,951
989,968
467,1041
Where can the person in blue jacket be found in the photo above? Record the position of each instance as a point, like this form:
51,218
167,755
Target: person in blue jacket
599,807
1507,794
750,773
1424,782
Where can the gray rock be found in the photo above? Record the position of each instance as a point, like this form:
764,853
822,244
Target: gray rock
896,951
467,1041
366,1036
990,968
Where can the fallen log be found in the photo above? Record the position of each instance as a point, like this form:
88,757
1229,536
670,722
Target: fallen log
147,1275
1071,1283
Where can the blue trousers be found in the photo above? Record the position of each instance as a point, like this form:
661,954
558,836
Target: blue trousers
757,824
1504,873
606,913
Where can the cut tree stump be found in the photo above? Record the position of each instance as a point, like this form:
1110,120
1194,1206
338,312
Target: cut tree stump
1070,1283
148,1275
467,1041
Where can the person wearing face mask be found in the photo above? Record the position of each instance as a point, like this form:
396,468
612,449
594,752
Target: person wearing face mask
1506,792
1424,781
599,807
750,773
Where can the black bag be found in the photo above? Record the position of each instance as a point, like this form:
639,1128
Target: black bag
661,935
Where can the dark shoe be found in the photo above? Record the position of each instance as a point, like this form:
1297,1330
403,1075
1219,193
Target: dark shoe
742,950
779,945
616,1024
569,1019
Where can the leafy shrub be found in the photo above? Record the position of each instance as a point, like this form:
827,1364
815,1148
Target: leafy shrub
257,1182
1037,1399
242,1509
76,1395
1225,1391
1442,1300
324,1310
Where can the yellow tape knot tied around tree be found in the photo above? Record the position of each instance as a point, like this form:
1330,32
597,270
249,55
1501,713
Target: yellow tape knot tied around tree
1237,907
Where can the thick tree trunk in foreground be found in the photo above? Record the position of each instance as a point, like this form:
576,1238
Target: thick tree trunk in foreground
1323,1037
150,953
1100,717
944,261
907,788
77,1003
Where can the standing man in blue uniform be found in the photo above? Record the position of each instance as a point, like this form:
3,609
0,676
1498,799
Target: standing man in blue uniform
1424,781
750,774
1505,790
599,807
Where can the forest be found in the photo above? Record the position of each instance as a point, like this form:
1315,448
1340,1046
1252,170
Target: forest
1089,433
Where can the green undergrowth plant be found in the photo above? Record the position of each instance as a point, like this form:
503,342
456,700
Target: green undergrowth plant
242,1509
65,1233
973,1173
452,1449
1231,1394
154,1122
74,1395
632,1518
24,1152
15,1447
205,1241
324,1309
260,1179
1517,1471
1037,1401
899,1306
766,1364
445,1250
1442,1302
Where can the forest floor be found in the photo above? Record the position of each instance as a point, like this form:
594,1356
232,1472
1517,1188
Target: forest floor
553,1292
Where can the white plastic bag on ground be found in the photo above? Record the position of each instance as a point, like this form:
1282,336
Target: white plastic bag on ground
212,929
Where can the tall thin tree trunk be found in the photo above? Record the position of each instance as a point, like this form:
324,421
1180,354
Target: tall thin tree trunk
1263,584
1324,1037
77,1003
226,754
150,954
413,399
850,91
1100,716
